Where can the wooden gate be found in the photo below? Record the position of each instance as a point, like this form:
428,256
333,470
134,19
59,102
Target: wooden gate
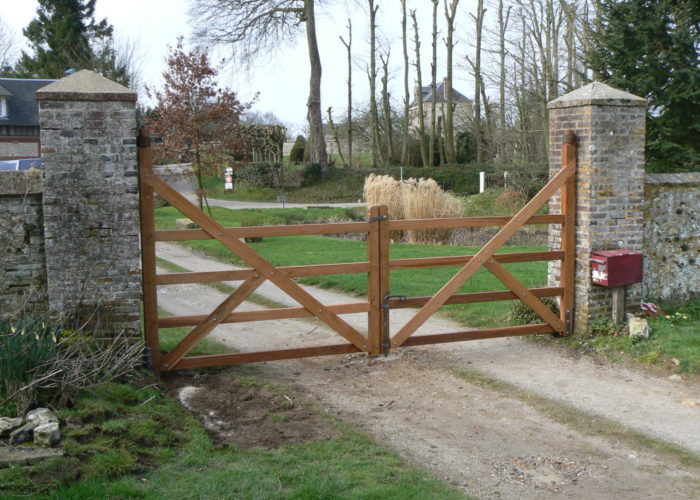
379,301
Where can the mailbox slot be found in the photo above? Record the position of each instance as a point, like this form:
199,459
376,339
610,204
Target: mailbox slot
616,267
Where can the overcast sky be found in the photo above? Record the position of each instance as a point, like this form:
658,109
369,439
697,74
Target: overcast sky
282,78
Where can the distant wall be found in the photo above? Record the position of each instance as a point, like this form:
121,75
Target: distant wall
672,236
12,148
22,271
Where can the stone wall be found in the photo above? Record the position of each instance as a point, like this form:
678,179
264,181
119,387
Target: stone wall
22,271
672,236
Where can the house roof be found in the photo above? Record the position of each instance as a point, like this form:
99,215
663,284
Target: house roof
428,94
22,108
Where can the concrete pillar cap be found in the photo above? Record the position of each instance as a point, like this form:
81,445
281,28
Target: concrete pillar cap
85,85
597,93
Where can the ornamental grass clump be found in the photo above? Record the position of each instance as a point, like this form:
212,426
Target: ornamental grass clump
413,199
425,199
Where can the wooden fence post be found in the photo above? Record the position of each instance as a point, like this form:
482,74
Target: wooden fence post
377,278
148,249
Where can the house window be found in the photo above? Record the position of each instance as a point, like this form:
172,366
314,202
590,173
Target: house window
3,107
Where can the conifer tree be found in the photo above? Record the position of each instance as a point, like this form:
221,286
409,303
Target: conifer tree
64,35
652,49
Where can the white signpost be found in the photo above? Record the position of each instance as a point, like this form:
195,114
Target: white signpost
228,179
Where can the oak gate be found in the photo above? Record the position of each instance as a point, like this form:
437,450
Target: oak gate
379,303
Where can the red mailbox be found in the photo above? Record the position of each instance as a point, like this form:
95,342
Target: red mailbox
616,267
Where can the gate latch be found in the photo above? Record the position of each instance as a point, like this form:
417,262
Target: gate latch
386,336
377,219
389,296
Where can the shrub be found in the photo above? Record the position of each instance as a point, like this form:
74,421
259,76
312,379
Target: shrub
296,155
311,174
261,174
522,314
466,147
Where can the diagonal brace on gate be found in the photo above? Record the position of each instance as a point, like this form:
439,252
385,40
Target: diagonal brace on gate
255,260
183,347
482,257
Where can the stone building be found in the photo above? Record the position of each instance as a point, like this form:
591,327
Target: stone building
19,118
462,104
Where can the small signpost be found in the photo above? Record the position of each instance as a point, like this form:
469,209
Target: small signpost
281,199
228,179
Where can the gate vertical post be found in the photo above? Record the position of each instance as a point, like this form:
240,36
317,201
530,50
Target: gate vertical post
377,278
148,249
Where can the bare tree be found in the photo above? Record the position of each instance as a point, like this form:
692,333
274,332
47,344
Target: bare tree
406,88
336,136
374,138
450,14
253,27
7,45
433,89
348,46
386,106
476,65
503,19
419,92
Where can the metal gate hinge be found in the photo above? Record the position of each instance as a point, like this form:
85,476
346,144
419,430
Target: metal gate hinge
389,296
377,219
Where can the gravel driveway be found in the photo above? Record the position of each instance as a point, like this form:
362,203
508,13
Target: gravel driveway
490,441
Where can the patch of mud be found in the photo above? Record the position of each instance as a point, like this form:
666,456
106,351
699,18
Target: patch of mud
245,415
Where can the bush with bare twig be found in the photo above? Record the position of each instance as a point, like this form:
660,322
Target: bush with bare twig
41,362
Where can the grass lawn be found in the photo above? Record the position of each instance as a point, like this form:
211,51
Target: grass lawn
674,340
140,443
305,250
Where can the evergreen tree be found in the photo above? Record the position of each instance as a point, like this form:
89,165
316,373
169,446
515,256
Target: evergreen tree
64,34
652,49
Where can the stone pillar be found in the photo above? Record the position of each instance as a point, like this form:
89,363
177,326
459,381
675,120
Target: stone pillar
91,207
610,128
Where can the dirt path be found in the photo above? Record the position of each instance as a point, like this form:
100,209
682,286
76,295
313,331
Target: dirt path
488,442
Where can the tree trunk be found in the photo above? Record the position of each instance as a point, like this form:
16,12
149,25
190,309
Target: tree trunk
450,15
316,142
336,138
502,27
433,87
419,94
374,137
406,88
348,45
386,109
479,18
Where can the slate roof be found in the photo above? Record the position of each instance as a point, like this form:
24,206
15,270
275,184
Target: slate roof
428,94
22,108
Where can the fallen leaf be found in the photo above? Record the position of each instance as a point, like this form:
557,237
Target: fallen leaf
688,402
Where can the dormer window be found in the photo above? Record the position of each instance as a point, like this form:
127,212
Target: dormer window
3,107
